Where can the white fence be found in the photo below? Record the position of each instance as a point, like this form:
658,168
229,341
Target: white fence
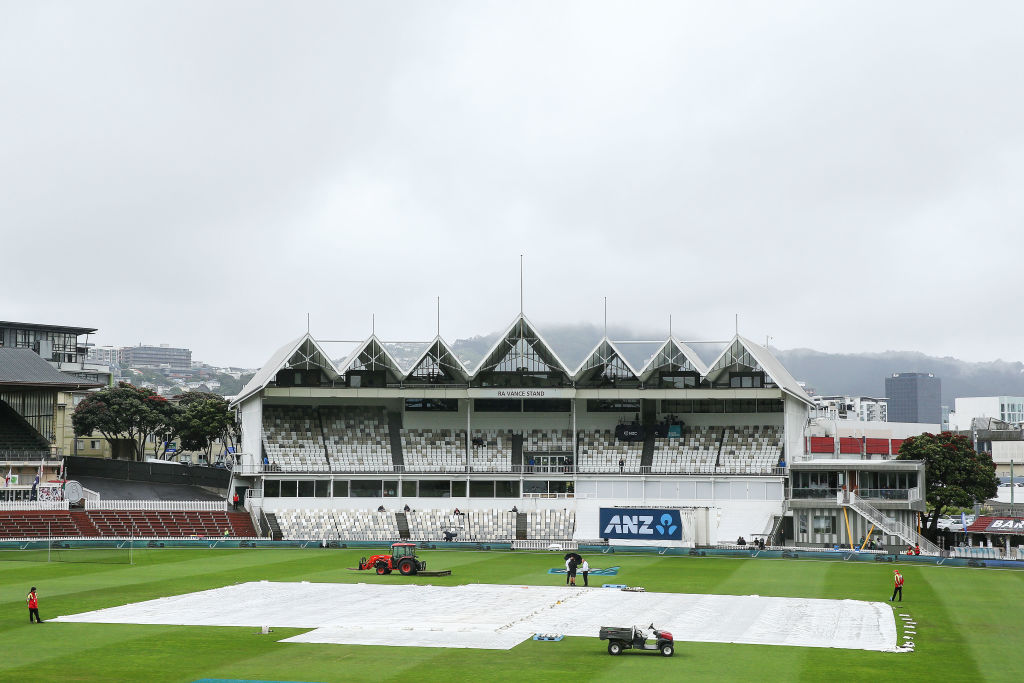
544,545
34,505
159,505
90,495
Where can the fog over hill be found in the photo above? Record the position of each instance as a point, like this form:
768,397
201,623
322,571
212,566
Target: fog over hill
828,373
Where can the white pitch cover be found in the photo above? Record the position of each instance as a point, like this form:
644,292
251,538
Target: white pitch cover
499,617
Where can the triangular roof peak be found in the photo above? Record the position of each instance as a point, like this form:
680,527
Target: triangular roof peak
675,356
437,359
742,352
521,346
302,352
606,356
372,355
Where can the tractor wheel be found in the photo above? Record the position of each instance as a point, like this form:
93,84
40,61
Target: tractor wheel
667,650
614,648
382,568
407,567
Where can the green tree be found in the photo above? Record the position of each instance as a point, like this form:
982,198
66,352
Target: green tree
955,474
123,412
203,419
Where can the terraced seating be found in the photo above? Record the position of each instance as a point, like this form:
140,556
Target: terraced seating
491,451
696,452
554,525
37,524
293,440
434,450
489,525
430,525
341,525
548,441
600,451
164,523
357,439
750,449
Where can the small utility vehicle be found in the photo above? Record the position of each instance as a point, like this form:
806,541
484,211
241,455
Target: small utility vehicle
638,638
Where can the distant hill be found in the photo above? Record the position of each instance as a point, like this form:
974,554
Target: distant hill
828,373
864,373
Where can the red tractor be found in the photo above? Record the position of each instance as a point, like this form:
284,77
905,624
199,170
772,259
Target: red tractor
402,558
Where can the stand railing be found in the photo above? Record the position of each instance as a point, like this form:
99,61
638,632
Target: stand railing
886,524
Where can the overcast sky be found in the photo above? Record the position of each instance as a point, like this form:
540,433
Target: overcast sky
845,176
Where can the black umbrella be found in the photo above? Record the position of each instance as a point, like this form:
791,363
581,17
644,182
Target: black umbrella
579,558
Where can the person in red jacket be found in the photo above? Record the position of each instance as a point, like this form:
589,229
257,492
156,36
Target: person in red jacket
897,585
33,606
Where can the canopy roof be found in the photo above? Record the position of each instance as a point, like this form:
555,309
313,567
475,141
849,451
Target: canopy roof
521,349
743,354
372,356
438,361
673,356
607,362
301,353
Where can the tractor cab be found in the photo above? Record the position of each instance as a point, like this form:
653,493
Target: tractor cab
400,550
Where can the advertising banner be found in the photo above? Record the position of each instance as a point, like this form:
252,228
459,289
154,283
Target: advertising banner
1005,525
646,524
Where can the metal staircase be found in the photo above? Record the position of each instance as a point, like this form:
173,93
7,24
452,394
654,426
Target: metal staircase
887,524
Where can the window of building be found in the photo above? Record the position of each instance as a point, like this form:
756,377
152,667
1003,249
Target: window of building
547,405
323,488
746,380
434,488
459,489
450,405
602,405
506,489
497,405
481,489
271,488
340,489
824,524
365,488
289,489
306,489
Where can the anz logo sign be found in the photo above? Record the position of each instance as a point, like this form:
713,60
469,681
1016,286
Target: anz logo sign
647,524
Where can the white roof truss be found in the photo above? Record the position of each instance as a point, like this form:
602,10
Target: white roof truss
744,355
438,363
673,356
302,353
372,356
605,362
521,349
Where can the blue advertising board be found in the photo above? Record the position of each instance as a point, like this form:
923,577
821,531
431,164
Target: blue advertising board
647,524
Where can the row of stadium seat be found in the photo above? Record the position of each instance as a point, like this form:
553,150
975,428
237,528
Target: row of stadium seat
424,525
123,523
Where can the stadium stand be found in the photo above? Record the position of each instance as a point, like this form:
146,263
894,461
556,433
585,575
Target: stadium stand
342,525
696,452
491,451
750,449
163,523
293,440
37,524
548,441
357,439
434,450
489,525
601,452
551,524
430,525
123,523
18,435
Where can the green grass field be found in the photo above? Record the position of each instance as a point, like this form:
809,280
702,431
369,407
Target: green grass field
970,622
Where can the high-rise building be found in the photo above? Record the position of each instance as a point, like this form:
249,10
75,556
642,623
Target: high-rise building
914,397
